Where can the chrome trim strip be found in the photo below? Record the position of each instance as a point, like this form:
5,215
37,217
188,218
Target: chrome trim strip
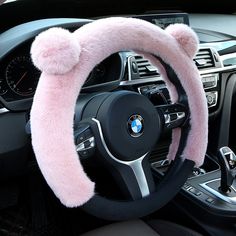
228,56
213,171
135,165
231,200
129,69
3,110
155,79
141,81
215,70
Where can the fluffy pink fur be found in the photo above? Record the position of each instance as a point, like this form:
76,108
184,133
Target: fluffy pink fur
55,51
53,107
186,38
176,133
53,140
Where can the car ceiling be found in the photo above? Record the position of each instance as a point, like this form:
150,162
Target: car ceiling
16,12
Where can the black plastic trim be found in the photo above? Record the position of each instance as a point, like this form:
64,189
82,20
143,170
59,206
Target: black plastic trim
226,112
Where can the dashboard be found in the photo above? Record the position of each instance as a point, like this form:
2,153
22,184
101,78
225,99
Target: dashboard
19,77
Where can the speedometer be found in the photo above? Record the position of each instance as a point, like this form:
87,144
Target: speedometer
21,76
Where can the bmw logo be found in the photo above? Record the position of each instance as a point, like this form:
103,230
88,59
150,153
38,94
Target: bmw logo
135,125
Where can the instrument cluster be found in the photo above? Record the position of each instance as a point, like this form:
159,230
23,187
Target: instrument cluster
19,77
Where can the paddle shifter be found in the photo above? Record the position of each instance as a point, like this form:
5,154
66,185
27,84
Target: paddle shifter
227,161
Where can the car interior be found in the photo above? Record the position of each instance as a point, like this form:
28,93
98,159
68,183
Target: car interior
117,118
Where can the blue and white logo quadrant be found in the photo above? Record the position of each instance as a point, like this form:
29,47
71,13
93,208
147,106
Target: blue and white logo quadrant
136,126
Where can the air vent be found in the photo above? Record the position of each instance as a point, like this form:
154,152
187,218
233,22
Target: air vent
204,59
142,68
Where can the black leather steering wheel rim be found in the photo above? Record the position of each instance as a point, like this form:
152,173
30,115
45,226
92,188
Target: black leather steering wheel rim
114,210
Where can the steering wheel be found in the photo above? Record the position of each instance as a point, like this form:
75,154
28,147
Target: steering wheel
123,125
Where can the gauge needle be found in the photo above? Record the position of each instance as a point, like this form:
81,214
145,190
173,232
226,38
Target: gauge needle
21,78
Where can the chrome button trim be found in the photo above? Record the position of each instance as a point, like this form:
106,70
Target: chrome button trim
225,198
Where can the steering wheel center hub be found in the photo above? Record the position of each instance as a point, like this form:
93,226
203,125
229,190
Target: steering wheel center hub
130,124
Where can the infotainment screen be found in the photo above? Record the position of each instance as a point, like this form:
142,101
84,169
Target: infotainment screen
163,20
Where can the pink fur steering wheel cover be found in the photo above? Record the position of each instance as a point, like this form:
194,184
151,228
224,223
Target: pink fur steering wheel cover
66,60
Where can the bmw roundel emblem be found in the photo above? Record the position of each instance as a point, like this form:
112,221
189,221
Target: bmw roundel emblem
135,125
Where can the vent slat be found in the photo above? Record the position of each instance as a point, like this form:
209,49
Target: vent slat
203,56
141,59
143,64
203,52
206,65
145,68
143,74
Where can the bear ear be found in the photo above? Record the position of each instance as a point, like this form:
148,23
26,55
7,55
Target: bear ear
55,51
186,37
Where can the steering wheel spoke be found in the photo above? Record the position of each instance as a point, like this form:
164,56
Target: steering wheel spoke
173,115
134,177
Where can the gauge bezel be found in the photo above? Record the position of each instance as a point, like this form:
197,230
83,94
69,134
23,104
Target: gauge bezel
9,68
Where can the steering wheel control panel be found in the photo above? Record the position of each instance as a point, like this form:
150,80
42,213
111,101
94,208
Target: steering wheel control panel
84,141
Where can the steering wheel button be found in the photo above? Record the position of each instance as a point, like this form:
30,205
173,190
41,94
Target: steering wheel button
84,153
80,139
80,147
82,134
87,144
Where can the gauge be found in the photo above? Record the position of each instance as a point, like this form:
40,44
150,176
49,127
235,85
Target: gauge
22,76
3,86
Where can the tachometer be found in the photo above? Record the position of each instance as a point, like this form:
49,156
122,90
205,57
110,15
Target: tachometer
21,76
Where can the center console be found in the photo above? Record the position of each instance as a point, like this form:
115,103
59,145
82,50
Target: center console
203,186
